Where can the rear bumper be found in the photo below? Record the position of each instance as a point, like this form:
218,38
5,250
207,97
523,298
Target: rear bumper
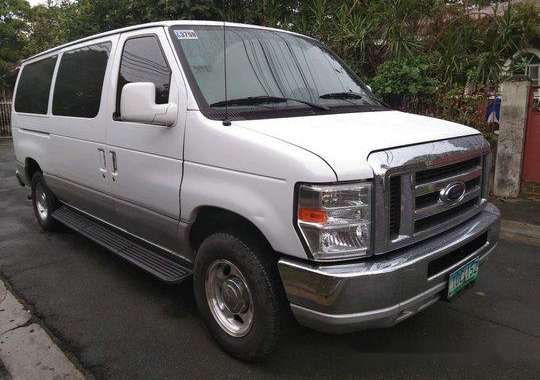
386,289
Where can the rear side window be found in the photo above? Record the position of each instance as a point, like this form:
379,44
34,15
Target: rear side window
79,81
34,86
143,61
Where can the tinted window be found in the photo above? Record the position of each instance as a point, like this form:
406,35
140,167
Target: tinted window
34,86
80,80
143,61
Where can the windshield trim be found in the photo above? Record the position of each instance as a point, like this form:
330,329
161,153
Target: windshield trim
256,112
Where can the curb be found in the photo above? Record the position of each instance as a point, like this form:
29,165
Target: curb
520,232
26,350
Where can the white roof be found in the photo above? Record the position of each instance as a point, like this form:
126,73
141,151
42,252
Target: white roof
154,24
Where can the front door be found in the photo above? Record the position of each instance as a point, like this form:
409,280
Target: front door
147,159
531,158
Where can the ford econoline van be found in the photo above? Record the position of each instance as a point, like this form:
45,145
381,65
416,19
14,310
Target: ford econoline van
254,161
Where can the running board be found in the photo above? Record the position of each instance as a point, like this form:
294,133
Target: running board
157,264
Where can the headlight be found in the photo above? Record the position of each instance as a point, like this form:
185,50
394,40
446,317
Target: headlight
335,220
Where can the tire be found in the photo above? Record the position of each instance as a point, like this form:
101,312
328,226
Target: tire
44,203
254,264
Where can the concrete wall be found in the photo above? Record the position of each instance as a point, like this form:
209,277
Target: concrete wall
512,123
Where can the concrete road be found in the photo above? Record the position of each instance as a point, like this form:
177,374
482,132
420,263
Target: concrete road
123,324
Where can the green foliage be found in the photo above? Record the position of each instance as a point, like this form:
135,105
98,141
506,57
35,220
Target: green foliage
464,109
413,52
405,80
95,16
12,37
48,26
476,45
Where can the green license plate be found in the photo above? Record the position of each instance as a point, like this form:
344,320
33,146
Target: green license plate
462,277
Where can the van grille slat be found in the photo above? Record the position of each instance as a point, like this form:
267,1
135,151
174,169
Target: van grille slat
435,219
441,182
440,206
395,205
431,175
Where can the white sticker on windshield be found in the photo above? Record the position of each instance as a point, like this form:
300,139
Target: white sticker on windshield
186,35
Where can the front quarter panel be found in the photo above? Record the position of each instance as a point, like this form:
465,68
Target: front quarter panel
248,173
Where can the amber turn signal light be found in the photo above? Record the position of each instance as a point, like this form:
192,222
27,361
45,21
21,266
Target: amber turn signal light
309,215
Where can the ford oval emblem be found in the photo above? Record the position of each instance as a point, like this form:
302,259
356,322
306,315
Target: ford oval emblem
453,192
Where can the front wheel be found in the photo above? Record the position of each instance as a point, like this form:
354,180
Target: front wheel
239,294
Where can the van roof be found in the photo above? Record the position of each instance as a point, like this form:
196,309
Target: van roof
150,25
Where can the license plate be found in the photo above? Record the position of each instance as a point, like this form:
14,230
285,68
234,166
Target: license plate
462,277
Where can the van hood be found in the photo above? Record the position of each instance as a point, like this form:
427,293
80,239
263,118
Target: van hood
344,141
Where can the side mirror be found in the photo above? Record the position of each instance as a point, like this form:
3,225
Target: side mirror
138,104
369,88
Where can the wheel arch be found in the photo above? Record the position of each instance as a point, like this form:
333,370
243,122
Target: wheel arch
211,219
31,166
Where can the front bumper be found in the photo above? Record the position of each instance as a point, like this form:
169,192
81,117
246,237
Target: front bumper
384,290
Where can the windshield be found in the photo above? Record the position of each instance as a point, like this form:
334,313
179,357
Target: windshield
264,65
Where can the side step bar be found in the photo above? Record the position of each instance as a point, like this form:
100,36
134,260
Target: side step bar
157,264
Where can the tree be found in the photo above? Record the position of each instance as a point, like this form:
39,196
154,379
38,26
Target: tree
461,40
95,16
49,25
13,32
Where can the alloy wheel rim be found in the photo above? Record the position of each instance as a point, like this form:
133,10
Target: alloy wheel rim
229,298
41,202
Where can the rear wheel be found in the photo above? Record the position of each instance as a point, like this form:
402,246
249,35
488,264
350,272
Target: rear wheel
239,294
44,203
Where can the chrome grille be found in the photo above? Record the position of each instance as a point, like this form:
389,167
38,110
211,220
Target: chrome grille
408,185
429,207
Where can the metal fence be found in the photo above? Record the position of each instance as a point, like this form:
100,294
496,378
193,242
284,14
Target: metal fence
5,114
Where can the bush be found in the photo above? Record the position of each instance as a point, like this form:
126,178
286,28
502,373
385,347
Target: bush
468,110
405,83
409,85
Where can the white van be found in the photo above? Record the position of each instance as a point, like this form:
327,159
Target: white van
256,161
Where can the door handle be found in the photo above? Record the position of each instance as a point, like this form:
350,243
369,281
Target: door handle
102,162
114,171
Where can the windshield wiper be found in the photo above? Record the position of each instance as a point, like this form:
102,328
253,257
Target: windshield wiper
342,95
254,100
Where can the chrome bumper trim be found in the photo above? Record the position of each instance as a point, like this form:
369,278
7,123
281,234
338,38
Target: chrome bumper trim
384,290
